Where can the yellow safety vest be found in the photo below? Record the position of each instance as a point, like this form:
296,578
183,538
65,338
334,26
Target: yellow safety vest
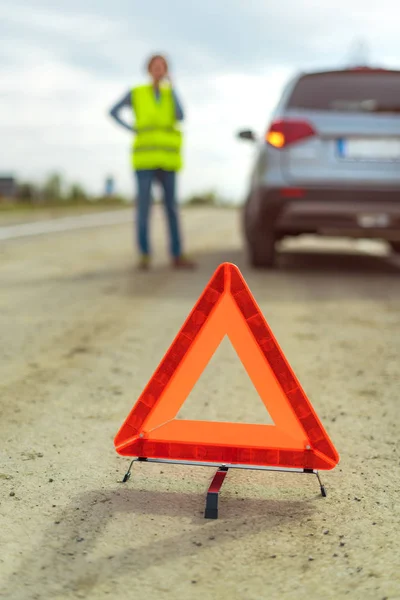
158,141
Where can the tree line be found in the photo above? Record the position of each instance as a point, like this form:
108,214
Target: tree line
56,191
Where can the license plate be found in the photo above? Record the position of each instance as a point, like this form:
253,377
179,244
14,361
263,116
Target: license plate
373,220
369,149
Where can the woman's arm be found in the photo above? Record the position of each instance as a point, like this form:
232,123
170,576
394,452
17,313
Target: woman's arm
179,114
126,101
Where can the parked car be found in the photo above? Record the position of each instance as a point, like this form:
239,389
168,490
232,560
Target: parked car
329,163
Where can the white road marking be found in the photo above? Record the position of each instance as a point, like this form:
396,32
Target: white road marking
116,217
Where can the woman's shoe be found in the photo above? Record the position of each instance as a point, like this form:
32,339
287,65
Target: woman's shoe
183,262
144,262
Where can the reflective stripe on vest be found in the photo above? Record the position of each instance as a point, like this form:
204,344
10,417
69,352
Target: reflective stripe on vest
157,144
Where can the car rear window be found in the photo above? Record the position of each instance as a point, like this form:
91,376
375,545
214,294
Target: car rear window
348,91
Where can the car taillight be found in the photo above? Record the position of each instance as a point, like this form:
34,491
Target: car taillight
292,193
285,132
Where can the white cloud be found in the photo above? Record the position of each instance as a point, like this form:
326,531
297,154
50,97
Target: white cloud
63,69
234,101
72,26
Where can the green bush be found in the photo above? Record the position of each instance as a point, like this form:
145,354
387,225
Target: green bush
206,199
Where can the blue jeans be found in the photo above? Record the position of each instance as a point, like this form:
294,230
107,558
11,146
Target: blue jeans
167,179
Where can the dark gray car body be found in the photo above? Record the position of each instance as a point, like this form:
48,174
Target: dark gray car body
338,170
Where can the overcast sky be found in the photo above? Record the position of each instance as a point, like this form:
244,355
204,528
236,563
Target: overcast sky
63,64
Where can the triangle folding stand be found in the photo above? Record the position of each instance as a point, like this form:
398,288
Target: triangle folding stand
297,442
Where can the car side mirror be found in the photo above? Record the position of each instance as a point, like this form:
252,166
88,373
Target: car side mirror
247,134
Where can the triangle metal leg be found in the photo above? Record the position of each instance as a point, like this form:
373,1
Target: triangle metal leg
322,487
128,473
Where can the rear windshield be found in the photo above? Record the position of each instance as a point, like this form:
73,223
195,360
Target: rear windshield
354,92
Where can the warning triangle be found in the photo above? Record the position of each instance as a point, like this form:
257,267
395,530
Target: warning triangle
151,430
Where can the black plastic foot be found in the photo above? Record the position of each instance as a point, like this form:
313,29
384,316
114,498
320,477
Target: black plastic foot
211,511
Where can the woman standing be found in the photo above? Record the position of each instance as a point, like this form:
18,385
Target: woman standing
156,154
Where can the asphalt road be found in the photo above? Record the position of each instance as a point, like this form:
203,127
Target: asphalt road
81,334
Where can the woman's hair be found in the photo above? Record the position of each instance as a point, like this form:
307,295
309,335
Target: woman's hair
156,57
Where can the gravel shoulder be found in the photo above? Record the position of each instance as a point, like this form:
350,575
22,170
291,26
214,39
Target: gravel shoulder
82,332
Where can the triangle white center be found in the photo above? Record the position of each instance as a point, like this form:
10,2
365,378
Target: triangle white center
225,392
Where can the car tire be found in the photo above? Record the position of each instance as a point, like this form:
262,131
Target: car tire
262,251
260,241
395,247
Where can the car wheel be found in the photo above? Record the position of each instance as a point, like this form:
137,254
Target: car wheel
260,240
262,250
395,247
245,221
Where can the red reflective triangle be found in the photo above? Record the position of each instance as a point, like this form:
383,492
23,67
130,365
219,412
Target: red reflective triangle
151,430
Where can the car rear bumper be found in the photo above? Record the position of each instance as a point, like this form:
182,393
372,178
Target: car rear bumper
354,213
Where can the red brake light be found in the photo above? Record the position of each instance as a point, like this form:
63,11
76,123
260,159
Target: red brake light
285,132
292,193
